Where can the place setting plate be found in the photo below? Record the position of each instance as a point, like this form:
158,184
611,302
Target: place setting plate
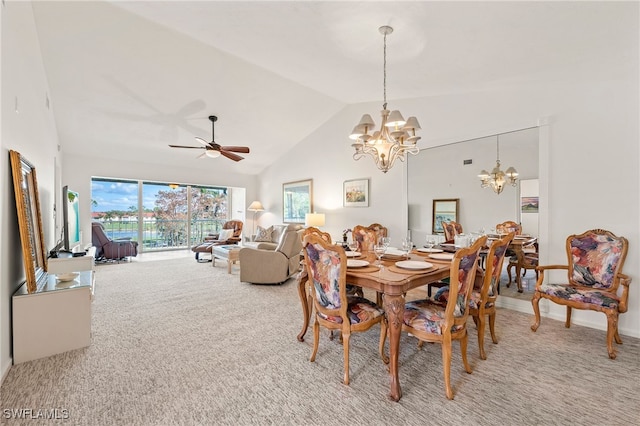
413,264
429,250
441,256
356,263
352,253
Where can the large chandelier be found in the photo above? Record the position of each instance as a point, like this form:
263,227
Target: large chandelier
497,178
395,137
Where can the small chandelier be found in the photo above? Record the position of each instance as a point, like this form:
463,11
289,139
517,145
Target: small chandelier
395,137
497,178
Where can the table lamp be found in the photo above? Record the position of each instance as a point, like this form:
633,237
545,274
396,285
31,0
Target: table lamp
314,219
255,207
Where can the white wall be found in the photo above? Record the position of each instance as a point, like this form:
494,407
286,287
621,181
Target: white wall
30,130
589,161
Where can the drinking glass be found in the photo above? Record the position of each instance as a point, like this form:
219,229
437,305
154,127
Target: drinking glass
379,250
431,241
353,246
386,241
407,245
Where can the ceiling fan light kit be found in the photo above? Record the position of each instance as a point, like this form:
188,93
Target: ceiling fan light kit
213,149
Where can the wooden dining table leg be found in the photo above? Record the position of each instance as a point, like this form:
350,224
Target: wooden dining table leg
305,302
394,309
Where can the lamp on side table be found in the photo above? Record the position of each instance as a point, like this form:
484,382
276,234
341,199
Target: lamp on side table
255,207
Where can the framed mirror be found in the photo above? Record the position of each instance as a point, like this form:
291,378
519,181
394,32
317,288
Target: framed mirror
25,186
444,211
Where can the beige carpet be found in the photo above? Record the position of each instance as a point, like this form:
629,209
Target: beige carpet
180,342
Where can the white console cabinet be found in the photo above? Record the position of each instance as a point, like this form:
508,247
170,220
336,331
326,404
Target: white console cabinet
57,317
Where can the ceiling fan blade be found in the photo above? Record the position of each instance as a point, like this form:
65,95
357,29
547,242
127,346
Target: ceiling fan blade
184,146
231,155
243,149
204,154
202,141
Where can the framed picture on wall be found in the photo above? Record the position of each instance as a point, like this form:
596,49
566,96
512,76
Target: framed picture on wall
444,211
355,193
297,200
529,204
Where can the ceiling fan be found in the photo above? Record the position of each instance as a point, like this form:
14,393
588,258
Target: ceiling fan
212,149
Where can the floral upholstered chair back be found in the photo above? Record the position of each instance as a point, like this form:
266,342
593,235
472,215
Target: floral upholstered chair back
595,257
463,272
451,229
312,230
507,227
380,230
365,237
495,259
327,269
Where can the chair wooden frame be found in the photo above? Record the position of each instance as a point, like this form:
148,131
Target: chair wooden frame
451,321
344,325
486,303
610,293
524,261
365,237
509,226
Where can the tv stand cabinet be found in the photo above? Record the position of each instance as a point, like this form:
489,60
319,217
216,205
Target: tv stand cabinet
56,318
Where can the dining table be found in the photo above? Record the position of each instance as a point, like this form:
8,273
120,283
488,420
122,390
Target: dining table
393,283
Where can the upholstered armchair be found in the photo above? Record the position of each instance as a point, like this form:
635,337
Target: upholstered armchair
230,234
595,280
264,266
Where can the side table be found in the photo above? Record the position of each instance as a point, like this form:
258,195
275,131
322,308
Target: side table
230,253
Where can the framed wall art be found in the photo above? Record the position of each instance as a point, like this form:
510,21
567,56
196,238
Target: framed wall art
297,200
444,211
356,193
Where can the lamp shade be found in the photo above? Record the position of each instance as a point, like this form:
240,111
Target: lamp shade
256,206
314,219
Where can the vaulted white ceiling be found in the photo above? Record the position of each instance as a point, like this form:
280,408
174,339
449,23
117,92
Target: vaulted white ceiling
129,78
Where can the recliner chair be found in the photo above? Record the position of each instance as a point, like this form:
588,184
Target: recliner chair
111,249
214,239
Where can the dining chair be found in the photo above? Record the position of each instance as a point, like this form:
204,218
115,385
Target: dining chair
525,259
365,237
442,322
335,310
483,300
380,230
508,226
594,274
451,229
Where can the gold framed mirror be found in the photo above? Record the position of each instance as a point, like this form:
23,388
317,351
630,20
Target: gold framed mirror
25,186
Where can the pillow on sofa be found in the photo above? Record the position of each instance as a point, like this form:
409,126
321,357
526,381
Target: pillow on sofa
264,234
225,234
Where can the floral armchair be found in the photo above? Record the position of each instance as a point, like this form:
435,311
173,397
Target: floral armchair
595,260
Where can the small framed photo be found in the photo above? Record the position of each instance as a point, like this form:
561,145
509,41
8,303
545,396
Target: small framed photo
356,193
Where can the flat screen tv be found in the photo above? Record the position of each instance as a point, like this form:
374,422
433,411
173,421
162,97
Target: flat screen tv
70,220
